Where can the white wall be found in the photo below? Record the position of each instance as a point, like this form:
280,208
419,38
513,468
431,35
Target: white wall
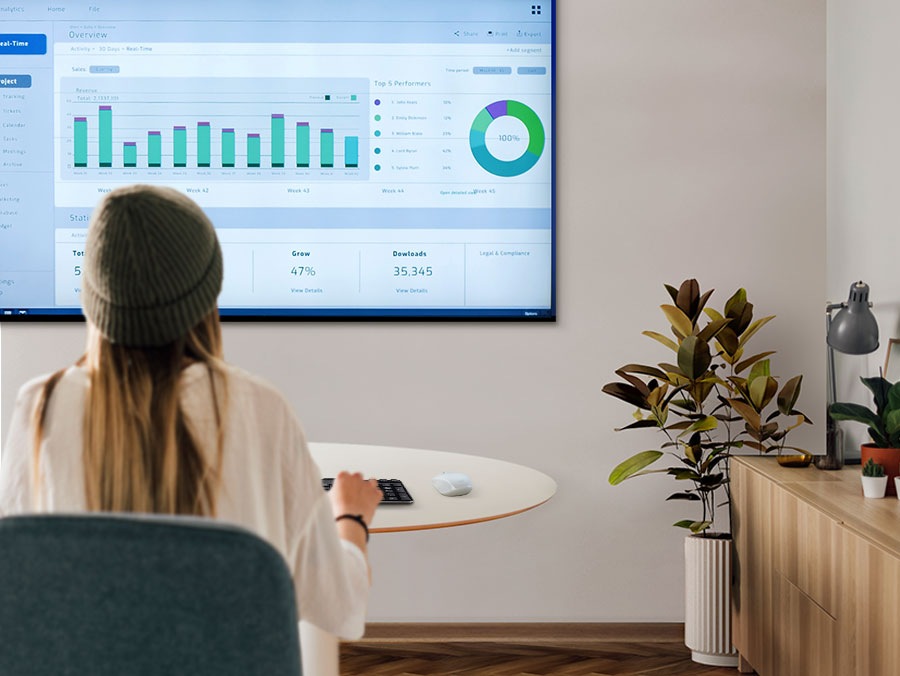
690,143
863,169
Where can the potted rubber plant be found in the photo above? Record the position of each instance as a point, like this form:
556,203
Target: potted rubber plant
883,423
713,398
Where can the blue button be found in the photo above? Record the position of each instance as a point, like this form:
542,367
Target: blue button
14,81
531,70
23,43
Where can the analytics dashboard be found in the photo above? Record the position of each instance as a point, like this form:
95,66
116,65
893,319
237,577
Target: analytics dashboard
358,159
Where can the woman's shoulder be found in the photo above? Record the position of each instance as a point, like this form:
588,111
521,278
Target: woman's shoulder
71,376
242,385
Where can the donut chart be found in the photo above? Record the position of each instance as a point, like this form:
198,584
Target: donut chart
478,138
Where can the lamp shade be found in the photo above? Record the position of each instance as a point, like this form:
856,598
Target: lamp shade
854,329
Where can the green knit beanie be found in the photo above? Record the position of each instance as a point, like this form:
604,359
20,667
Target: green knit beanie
152,268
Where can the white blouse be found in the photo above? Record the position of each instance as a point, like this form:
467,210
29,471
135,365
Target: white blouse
270,483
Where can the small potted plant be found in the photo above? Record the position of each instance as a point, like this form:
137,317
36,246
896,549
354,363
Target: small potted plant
874,481
883,424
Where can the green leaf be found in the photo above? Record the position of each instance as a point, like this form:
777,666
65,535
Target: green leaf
665,340
627,393
694,357
673,292
734,306
762,389
687,297
694,526
892,422
711,480
761,369
645,422
879,388
754,327
632,465
705,424
749,361
787,398
728,340
715,315
679,321
712,329
855,412
755,446
746,411
684,496
641,369
684,474
893,397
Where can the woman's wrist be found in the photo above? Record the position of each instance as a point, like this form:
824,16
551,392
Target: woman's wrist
358,518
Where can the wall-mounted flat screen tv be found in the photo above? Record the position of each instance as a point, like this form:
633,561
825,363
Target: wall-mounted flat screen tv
359,158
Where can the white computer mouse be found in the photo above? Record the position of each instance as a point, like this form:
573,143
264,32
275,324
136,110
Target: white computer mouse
452,483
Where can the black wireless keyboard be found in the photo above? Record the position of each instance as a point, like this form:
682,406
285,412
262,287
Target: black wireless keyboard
393,491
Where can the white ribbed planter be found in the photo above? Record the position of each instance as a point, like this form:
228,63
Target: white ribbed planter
707,608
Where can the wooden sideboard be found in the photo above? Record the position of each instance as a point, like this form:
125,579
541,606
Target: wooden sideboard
816,572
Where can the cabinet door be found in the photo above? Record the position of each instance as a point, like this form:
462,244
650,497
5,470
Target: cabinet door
752,522
807,550
805,635
869,608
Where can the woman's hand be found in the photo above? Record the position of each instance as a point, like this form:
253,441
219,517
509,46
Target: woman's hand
351,494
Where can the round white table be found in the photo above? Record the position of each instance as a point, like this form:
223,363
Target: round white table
499,489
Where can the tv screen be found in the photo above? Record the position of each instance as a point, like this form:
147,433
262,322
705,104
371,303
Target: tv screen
359,158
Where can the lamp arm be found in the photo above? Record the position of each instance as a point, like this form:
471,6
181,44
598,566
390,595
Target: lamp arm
832,387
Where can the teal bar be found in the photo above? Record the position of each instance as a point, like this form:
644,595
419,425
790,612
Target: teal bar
129,154
203,144
154,149
277,140
303,144
253,150
106,140
228,147
179,139
351,151
326,153
81,142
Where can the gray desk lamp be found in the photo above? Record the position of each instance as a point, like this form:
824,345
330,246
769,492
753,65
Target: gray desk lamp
853,330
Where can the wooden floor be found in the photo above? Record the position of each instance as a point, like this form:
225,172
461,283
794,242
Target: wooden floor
557,650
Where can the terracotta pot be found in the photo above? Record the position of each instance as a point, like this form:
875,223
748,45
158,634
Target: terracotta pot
889,458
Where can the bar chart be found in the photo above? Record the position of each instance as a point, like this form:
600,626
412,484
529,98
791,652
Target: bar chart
226,127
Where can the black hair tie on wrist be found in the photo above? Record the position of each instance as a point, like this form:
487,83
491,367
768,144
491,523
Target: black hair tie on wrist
358,519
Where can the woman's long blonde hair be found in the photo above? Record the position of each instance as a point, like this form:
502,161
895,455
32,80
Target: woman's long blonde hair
139,453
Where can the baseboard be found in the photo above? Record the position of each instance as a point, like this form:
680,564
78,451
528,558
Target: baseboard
536,633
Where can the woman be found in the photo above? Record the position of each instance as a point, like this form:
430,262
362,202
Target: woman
151,419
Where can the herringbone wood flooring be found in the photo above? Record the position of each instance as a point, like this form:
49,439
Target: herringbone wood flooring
520,653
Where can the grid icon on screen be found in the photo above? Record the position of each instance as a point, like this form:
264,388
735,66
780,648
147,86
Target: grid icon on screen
535,9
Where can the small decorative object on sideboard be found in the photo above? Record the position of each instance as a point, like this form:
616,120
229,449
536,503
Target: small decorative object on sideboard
883,424
795,459
874,482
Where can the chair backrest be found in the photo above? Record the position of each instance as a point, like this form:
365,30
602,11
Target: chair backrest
123,595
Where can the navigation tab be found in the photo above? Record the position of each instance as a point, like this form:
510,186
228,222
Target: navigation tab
23,43
15,81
